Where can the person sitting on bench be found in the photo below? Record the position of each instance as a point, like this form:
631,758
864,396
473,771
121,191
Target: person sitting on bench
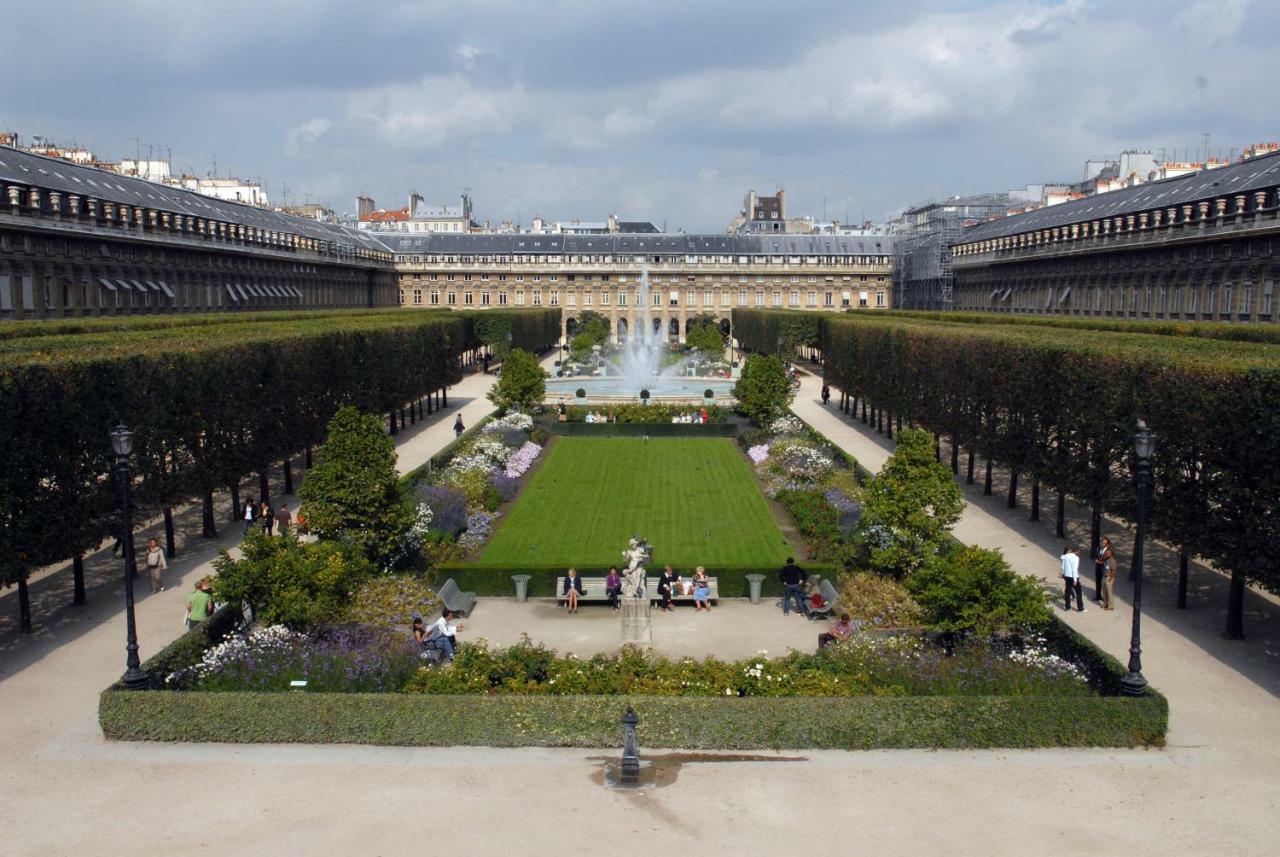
443,636
613,587
572,589
666,587
701,590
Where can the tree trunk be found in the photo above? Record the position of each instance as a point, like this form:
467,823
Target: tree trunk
444,397
170,543
413,414
1095,530
24,602
1235,607
264,486
888,424
864,410
391,421
986,485
899,423
1060,527
1035,500
210,528
77,571
236,511
288,477
969,479
1183,563
1012,501
937,447
955,456
308,456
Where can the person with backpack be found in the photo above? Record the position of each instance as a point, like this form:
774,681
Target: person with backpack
156,565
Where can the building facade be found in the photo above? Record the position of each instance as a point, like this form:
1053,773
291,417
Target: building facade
688,276
80,241
923,235
1204,246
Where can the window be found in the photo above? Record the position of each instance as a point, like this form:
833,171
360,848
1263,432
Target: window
862,299
811,299
435,298
555,298
708,298
588,298
742,297
417,296
759,298
656,299
484,298
827,299
502,298
879,299
777,298
452,298
1246,300
794,298
402,297
674,298
466,298
573,298
622,298
604,298
846,299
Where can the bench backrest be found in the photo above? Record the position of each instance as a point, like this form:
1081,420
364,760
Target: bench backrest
449,590
828,590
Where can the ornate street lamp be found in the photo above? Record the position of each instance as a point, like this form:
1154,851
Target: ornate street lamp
122,444
1144,444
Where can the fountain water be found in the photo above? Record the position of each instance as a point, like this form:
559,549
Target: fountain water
641,359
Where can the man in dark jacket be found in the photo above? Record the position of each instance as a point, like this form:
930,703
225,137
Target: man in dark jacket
793,577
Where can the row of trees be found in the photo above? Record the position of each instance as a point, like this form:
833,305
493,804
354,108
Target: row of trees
1059,407
206,409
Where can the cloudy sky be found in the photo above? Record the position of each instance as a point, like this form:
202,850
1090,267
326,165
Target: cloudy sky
667,111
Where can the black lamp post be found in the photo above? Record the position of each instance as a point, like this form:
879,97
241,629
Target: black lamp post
1144,443
122,444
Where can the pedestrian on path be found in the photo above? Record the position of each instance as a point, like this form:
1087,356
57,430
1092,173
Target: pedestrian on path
250,515
1071,578
792,577
1100,568
826,394
1109,579
268,517
458,428
283,519
199,604
156,565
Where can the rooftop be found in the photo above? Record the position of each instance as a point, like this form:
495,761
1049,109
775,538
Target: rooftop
642,244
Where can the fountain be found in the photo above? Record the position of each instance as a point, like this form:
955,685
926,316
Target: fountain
639,366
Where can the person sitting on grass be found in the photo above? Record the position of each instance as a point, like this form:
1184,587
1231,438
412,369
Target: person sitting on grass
701,590
613,587
841,630
572,589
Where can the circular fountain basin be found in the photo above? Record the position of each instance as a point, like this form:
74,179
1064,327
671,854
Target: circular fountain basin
678,389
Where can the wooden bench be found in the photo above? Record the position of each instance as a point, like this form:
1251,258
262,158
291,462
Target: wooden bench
595,590
455,599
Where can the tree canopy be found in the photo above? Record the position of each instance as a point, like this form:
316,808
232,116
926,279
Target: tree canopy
763,391
522,385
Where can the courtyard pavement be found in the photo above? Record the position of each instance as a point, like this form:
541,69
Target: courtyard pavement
1212,791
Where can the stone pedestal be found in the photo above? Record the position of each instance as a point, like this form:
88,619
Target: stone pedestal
637,625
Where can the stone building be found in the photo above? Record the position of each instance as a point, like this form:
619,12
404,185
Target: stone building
689,276
1203,246
78,241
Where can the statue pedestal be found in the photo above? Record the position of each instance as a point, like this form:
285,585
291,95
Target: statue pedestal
637,626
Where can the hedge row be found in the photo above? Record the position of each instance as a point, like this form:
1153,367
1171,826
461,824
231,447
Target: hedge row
1059,405
861,723
1195,329
208,404
496,580
643,429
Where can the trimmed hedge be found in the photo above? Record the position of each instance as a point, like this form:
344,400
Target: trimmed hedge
1194,329
861,723
643,429
496,580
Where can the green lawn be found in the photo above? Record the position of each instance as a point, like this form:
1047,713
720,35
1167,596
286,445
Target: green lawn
695,500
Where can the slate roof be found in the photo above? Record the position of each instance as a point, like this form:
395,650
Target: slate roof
19,167
1253,174
642,244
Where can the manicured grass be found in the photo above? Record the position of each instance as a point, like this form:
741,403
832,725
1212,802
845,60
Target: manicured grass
694,499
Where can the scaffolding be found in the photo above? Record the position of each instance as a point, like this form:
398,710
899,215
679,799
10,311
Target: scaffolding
923,236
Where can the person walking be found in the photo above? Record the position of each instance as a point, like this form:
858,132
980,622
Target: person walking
1071,578
792,577
826,394
1109,578
250,515
156,565
283,519
199,604
458,428
268,517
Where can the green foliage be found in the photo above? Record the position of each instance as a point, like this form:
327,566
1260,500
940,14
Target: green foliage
389,602
974,590
697,723
706,338
910,506
649,414
763,391
815,518
522,385
877,601
287,582
353,493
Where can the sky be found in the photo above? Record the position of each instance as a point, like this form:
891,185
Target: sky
662,111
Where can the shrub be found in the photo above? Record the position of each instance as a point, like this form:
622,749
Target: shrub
707,339
877,601
763,391
522,385
648,414
390,602
353,493
708,393
971,589
448,508
298,584
581,392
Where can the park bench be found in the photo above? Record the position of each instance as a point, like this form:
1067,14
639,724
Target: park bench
595,590
829,595
455,599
